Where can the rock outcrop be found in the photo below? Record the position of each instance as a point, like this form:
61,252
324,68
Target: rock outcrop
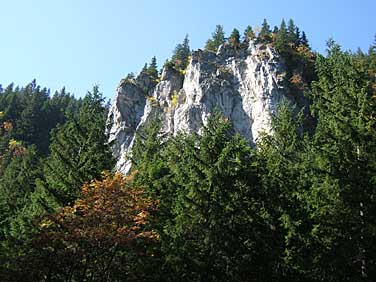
245,85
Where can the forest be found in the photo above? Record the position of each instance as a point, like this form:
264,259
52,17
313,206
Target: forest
300,206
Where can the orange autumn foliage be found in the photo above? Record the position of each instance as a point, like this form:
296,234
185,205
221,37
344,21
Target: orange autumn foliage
297,81
8,126
110,211
104,235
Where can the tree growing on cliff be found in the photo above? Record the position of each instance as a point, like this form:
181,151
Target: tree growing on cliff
152,70
181,54
265,33
234,39
249,34
218,38
291,32
281,38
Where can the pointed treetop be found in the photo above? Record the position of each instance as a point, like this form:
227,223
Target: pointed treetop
304,40
297,36
180,57
145,68
235,38
249,34
264,34
153,69
218,38
281,38
291,30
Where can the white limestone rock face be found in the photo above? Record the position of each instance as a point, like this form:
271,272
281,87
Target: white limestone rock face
124,116
245,85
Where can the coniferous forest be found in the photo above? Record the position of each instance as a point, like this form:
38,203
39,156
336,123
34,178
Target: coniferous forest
301,206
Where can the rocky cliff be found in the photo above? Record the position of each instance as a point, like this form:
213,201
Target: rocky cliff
245,85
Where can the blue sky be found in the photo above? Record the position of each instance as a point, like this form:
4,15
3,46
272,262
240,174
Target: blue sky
79,43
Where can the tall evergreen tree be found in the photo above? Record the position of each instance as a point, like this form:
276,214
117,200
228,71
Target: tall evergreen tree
291,31
249,34
343,194
16,185
297,41
181,54
234,39
147,157
218,38
218,217
79,150
304,40
32,126
144,68
286,178
153,68
17,227
281,39
265,33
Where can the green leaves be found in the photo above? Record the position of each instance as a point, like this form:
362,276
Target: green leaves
79,150
216,210
218,38
181,55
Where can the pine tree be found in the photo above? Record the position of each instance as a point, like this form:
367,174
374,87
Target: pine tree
144,68
297,41
304,40
218,38
147,156
291,31
16,185
265,33
286,178
181,54
32,126
249,34
234,39
343,191
153,69
281,39
217,212
79,150
17,218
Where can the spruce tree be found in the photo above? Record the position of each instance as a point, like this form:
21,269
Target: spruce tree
217,214
265,33
16,185
304,40
249,34
343,191
144,68
147,158
153,68
218,38
180,57
79,150
234,39
33,125
281,39
285,162
297,41
291,31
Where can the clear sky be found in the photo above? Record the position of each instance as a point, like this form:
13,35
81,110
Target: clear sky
79,43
